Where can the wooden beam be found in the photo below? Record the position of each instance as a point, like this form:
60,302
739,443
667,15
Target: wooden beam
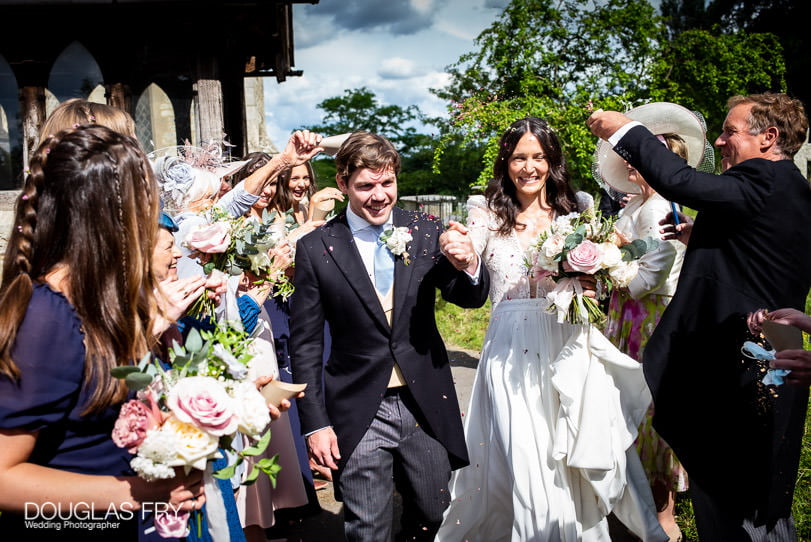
32,111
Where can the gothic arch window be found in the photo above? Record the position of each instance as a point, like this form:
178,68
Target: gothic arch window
10,128
74,74
155,119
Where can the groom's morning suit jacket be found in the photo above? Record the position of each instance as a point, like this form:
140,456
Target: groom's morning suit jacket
750,248
331,283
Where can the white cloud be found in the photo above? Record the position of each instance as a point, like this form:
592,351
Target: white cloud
398,68
398,49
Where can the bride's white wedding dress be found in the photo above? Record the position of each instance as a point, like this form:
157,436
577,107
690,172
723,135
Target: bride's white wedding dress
552,419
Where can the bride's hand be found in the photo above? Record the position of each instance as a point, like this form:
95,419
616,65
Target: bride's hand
589,285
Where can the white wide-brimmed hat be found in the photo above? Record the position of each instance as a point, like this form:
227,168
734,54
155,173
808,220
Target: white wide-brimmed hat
660,118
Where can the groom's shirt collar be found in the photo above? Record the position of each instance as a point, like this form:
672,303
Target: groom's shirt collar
357,223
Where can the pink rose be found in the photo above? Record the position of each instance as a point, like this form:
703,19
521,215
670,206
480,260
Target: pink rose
585,258
211,239
172,524
134,420
204,403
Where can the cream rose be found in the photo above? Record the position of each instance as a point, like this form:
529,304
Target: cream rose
623,273
193,446
610,255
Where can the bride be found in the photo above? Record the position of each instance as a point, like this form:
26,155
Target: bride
554,407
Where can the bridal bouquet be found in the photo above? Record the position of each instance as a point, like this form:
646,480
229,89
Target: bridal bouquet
184,415
583,243
235,244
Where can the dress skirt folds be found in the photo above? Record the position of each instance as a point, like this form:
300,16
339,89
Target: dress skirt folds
550,430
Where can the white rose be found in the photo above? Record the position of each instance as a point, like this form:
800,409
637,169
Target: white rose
611,255
545,263
553,246
623,273
252,410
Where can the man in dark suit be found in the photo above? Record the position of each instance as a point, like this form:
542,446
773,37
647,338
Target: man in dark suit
750,248
383,410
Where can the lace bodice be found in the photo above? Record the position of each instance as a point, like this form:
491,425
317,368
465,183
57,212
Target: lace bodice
503,255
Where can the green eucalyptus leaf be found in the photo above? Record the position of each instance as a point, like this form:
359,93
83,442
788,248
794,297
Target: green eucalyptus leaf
138,381
124,371
194,343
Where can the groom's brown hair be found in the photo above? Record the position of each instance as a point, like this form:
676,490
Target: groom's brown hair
365,150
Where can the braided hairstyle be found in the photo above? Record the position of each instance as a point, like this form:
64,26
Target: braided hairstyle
501,194
89,207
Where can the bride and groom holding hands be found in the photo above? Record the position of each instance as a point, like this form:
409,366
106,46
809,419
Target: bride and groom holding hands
383,411
547,450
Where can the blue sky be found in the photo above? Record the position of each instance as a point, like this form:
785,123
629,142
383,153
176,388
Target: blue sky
398,49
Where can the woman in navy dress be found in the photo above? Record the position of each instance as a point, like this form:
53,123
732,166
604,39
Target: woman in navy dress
77,299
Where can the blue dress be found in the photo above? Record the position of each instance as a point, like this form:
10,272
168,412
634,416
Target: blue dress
49,399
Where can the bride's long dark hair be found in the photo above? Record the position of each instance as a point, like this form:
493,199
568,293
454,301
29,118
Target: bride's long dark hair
501,194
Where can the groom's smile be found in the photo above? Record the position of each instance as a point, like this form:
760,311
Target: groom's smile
371,193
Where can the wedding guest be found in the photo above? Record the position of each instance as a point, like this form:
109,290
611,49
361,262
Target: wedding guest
76,112
261,501
555,407
299,193
77,271
748,249
254,161
634,311
190,184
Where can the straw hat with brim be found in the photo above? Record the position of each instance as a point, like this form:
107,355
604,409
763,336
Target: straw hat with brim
659,118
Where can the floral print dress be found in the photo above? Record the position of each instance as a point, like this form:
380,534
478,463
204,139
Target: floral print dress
633,314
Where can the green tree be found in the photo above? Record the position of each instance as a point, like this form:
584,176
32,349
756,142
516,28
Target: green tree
359,109
787,20
551,59
700,69
554,59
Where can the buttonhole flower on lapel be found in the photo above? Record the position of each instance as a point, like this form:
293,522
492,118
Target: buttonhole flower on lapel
396,240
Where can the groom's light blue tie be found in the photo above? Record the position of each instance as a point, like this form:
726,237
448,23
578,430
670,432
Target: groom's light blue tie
384,264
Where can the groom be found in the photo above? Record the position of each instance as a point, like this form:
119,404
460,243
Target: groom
382,412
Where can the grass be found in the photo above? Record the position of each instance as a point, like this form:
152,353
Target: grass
465,328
